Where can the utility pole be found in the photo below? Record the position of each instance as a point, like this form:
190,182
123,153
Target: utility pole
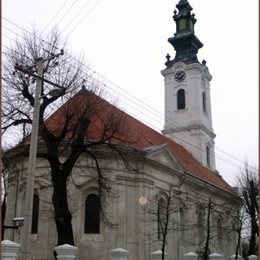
26,232
28,206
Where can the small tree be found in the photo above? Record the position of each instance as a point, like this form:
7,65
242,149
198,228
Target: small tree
219,223
248,188
161,211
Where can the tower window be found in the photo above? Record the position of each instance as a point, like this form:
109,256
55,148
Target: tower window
204,104
182,24
181,99
92,214
208,155
35,214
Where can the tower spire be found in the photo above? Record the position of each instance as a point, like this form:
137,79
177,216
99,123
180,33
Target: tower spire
188,118
184,41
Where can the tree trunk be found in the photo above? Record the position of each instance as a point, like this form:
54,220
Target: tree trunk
239,238
252,242
206,250
3,214
163,246
63,217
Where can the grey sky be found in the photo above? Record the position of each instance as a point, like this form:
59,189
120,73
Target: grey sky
126,42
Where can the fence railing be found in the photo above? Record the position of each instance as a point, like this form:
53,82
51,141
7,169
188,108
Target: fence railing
10,251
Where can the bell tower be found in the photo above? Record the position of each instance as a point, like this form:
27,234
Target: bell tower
188,119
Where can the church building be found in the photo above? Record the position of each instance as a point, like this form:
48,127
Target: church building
165,191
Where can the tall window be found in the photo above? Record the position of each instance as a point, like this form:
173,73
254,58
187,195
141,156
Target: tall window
92,214
220,234
161,214
208,155
35,214
182,224
204,103
200,228
181,99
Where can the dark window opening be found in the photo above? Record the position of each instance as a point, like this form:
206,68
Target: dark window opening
208,156
92,214
181,99
161,214
35,214
204,105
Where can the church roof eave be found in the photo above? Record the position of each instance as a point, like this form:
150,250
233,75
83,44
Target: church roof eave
140,135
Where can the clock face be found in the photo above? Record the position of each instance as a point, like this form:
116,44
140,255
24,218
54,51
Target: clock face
180,75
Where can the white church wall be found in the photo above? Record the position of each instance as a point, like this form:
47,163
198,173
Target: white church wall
150,179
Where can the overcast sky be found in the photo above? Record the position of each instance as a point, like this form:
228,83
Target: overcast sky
125,41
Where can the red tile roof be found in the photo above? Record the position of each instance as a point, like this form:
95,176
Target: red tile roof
130,131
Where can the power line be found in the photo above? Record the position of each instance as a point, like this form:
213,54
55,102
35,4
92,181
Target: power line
84,17
76,16
144,108
70,8
55,16
136,100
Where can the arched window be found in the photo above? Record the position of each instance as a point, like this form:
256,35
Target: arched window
204,103
35,214
208,155
181,99
161,215
92,214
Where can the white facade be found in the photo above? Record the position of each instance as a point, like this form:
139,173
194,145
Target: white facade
156,169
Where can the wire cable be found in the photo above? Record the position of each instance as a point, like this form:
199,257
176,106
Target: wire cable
84,17
70,8
54,16
143,106
76,16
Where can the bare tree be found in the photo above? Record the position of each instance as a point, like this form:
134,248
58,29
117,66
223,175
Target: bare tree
217,224
83,121
214,225
248,188
241,225
162,212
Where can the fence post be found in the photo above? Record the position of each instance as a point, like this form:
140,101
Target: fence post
252,257
157,255
233,257
9,250
66,251
216,256
190,256
119,254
